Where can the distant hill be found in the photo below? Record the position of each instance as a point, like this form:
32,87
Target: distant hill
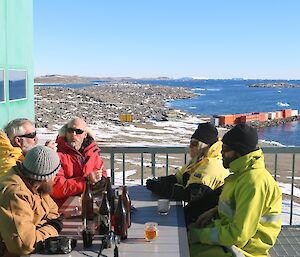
68,79
61,79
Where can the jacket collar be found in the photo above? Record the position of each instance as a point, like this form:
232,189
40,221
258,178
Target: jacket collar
215,150
251,160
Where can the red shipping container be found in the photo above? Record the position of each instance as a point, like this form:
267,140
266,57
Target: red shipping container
287,113
226,120
263,116
249,118
278,114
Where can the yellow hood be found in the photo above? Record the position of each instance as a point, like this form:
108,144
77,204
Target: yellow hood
9,154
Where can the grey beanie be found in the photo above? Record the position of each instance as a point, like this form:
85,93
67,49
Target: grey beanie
40,163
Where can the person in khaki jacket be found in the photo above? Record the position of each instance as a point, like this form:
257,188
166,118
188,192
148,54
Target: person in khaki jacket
28,215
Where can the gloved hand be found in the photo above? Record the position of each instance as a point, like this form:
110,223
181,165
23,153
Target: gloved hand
179,193
149,184
56,223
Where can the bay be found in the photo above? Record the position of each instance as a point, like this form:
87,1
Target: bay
217,97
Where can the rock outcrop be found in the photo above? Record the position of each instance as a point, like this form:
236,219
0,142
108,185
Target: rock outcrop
55,105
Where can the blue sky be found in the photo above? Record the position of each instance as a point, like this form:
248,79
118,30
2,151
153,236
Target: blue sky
174,38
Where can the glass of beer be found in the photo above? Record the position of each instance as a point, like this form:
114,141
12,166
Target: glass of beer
151,231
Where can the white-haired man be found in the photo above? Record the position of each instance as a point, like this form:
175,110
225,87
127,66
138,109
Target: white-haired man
80,160
18,138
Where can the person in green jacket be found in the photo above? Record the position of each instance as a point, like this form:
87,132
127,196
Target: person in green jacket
246,221
196,181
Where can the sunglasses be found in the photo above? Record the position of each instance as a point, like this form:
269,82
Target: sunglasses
29,135
77,131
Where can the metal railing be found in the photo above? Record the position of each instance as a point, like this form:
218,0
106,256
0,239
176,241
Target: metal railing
142,151
167,151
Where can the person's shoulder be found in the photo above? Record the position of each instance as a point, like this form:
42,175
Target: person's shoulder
11,184
91,145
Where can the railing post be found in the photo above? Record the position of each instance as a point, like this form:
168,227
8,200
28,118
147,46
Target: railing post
124,168
292,190
153,164
112,168
167,164
275,168
142,169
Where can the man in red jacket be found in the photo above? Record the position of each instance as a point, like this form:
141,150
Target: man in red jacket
79,157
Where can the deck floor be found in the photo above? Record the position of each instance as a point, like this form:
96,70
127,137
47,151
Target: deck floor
288,243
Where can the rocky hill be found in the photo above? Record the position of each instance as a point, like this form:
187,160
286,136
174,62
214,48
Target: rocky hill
55,105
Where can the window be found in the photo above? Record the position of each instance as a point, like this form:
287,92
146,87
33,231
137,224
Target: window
17,84
2,98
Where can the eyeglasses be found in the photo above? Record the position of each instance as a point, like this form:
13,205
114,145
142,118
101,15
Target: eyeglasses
29,135
77,131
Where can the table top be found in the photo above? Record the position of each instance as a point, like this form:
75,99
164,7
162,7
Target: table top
172,239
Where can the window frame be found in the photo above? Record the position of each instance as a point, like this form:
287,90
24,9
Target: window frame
4,86
26,83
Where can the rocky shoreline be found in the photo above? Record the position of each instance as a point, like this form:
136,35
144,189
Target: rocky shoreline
105,102
275,85
268,123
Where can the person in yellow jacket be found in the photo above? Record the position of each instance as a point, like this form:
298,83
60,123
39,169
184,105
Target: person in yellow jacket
201,176
28,215
9,155
247,219
18,137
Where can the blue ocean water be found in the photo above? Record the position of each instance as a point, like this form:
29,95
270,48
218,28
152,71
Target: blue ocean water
234,96
216,97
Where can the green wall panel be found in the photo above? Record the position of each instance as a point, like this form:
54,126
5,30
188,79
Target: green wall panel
16,52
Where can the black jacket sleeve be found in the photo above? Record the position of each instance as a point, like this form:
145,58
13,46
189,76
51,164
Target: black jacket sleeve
198,191
195,208
162,186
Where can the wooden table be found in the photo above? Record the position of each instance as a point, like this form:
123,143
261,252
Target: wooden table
172,239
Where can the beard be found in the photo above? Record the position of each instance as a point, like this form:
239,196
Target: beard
45,187
26,147
228,160
75,144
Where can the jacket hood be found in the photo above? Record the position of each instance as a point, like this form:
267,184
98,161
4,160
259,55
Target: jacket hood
9,154
215,150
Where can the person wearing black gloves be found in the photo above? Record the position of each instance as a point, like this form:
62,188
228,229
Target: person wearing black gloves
28,215
200,177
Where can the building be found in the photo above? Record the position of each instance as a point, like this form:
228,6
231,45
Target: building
16,60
